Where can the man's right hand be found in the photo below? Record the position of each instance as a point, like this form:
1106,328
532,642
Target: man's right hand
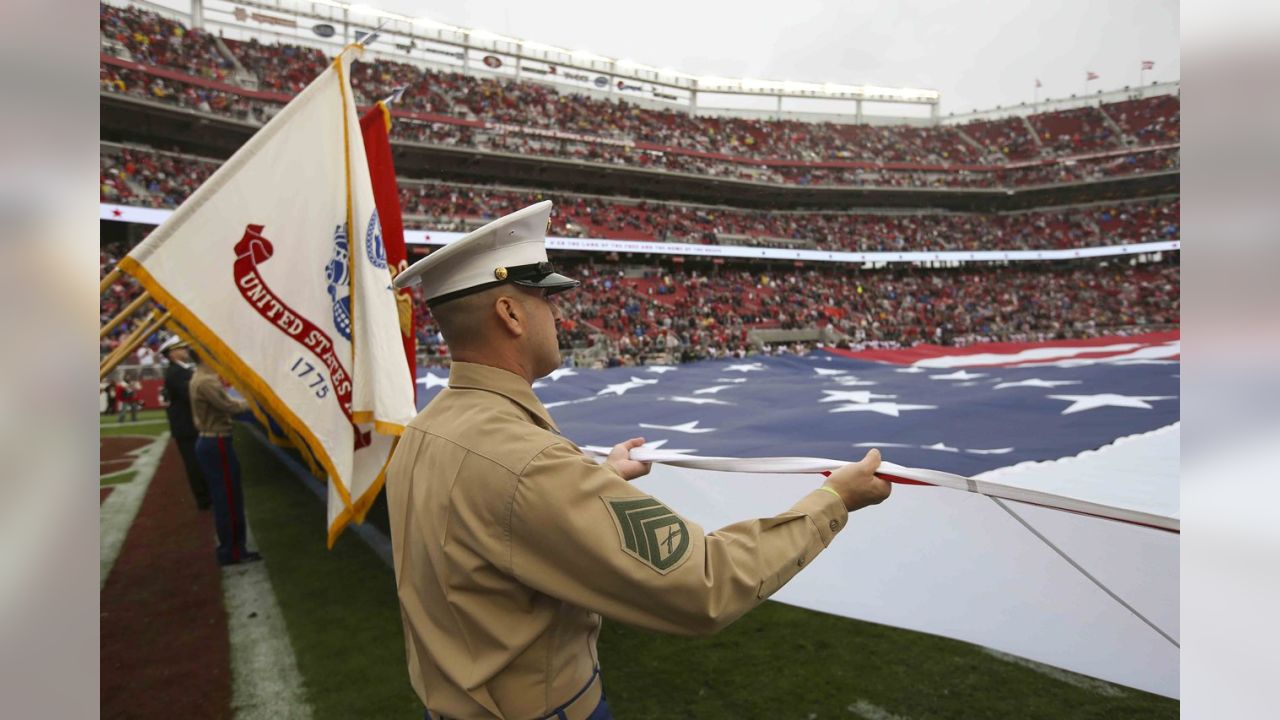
857,484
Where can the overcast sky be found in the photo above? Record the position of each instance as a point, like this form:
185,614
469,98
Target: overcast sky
977,53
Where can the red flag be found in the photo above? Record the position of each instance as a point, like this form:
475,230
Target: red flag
1089,75
1038,83
375,126
1148,65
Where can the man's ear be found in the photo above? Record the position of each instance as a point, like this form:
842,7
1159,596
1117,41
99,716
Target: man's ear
510,315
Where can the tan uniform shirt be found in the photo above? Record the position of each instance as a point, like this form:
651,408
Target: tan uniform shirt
510,544
211,406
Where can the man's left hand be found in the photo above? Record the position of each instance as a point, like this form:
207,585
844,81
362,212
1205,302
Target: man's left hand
620,460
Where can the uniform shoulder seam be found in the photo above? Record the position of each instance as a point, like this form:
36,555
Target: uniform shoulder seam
533,457
478,453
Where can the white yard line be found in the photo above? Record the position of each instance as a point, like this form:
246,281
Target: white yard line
864,709
265,682
121,506
1084,682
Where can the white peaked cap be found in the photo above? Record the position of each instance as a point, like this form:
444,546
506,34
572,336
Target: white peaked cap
512,248
172,342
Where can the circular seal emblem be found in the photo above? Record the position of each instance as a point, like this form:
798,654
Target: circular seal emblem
336,274
493,61
500,273
373,244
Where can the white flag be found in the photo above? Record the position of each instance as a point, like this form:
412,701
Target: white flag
276,268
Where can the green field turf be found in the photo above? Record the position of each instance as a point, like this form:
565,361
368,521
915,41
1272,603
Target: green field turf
777,662
143,416
151,428
150,422
117,478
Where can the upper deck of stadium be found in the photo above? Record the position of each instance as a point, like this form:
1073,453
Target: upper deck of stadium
479,108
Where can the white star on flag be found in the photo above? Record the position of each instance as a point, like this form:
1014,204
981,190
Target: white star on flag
689,427
731,380
620,388
943,447
828,371
1080,403
430,380
660,369
711,390
958,375
745,367
1036,382
562,372
992,451
857,396
697,401
884,408
851,381
538,384
912,369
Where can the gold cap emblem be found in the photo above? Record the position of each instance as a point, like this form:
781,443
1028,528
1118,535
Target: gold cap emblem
500,273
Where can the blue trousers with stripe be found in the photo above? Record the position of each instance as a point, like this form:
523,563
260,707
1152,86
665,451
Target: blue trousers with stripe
222,476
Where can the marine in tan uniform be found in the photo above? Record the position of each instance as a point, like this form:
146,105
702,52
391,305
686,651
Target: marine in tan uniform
213,411
510,544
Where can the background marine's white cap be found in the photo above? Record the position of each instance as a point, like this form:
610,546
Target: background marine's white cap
173,341
510,249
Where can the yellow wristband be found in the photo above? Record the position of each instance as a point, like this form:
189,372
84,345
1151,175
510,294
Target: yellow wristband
833,492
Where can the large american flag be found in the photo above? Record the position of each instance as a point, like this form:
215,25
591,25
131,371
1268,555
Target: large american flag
960,411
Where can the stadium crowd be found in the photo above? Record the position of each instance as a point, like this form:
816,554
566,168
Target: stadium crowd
629,315
533,118
149,38
137,176
632,317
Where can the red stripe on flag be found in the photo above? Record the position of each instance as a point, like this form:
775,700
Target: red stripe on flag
924,351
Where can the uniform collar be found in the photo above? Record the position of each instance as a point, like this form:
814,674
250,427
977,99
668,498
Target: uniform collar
502,382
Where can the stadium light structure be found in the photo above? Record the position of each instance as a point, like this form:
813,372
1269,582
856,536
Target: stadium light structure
628,76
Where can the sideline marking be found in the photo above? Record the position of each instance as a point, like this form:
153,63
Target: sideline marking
265,681
117,512
864,709
1084,682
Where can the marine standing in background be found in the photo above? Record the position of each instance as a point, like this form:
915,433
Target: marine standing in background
177,381
212,409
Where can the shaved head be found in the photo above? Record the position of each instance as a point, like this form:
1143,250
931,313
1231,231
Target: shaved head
468,321
507,326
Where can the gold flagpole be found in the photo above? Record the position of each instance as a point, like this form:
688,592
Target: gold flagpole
109,280
155,320
123,315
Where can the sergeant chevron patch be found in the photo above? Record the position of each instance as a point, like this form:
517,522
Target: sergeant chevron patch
650,532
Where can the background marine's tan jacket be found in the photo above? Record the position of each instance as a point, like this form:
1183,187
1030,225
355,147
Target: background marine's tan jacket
510,545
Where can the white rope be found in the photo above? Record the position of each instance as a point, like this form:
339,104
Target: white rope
891,471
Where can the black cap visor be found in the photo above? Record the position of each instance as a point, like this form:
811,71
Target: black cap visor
552,282
534,275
